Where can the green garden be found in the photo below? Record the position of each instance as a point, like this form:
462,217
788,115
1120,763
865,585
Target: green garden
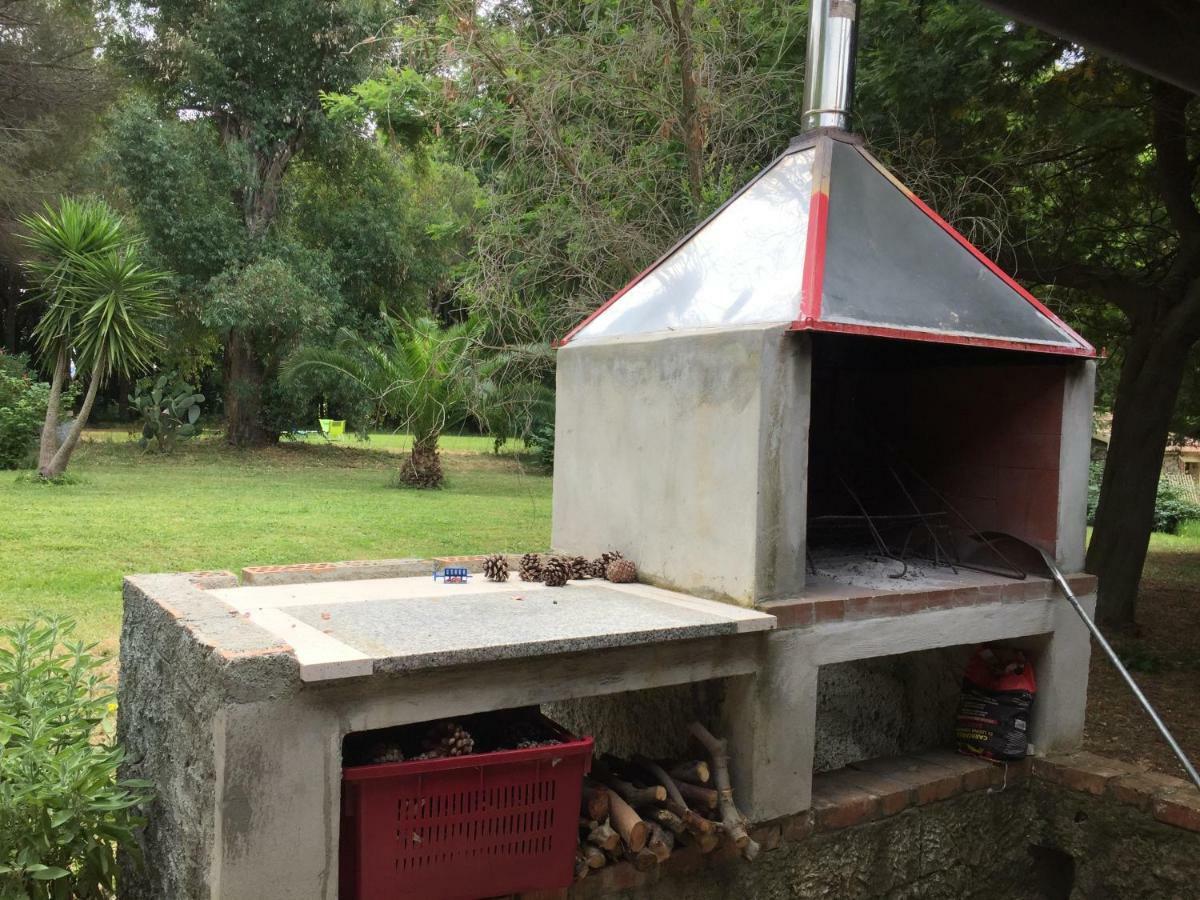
64,549
223,224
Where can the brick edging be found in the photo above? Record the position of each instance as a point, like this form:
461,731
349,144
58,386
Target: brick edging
877,789
804,612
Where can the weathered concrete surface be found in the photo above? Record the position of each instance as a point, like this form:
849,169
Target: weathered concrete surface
245,755
176,677
1075,455
887,706
1031,841
687,453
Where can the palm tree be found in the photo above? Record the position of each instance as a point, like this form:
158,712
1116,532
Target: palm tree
426,378
101,302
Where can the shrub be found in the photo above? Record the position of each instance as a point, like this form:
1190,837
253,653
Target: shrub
541,439
63,813
1171,507
22,408
170,409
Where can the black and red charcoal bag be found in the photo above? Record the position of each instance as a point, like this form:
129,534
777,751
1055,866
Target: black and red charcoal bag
999,687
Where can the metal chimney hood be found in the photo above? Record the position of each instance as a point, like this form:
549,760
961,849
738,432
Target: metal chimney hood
825,238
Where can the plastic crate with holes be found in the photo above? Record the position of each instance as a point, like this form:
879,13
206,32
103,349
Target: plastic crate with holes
485,806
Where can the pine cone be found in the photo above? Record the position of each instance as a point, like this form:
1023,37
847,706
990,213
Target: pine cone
596,568
495,568
386,753
580,567
555,572
531,567
448,739
621,571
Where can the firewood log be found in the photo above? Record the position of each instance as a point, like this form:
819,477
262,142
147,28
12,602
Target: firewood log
594,803
634,796
707,842
661,842
643,860
666,819
629,824
699,797
581,866
694,771
659,774
593,856
732,820
695,822
603,836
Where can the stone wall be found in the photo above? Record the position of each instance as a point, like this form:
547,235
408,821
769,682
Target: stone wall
941,826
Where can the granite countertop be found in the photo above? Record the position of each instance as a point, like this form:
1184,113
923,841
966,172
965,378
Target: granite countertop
352,628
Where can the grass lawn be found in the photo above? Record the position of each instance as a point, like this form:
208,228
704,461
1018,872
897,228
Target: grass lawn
63,550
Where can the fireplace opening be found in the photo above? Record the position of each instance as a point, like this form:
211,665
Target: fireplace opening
917,451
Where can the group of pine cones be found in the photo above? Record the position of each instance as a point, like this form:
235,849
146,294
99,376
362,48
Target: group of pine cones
558,570
447,739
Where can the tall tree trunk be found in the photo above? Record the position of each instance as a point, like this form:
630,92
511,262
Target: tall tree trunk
12,298
1146,394
243,392
62,456
48,445
678,18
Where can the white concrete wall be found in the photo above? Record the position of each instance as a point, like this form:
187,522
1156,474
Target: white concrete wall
1074,456
687,453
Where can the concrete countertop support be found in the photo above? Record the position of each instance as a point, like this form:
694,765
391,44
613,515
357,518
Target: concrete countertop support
245,754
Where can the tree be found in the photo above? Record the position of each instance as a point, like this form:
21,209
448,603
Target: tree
254,71
1093,169
425,380
53,86
602,131
101,303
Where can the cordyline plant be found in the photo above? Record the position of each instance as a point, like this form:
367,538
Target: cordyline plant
100,302
63,813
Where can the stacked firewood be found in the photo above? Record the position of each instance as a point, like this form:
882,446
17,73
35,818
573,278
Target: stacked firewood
640,810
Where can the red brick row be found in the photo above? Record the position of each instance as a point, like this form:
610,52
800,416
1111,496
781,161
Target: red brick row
806,612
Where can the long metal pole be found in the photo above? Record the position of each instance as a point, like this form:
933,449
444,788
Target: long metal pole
1061,580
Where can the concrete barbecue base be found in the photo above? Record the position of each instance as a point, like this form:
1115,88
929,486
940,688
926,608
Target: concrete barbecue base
234,701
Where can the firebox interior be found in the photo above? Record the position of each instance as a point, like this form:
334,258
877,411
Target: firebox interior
917,451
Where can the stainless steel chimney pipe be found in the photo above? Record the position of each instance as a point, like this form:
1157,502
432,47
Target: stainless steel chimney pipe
829,69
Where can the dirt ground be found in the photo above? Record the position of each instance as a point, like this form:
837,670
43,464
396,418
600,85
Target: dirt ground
1163,653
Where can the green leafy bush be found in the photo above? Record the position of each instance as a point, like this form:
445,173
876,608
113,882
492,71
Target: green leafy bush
170,409
1171,507
541,440
22,408
63,813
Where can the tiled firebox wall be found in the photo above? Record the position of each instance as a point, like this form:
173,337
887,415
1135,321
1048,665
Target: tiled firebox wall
983,427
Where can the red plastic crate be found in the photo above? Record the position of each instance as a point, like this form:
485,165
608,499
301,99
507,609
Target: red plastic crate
464,827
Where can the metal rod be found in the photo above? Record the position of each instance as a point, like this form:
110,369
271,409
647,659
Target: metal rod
938,549
1015,572
1061,581
884,550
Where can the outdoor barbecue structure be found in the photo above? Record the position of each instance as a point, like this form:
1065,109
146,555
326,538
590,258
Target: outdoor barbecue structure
888,353
812,424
